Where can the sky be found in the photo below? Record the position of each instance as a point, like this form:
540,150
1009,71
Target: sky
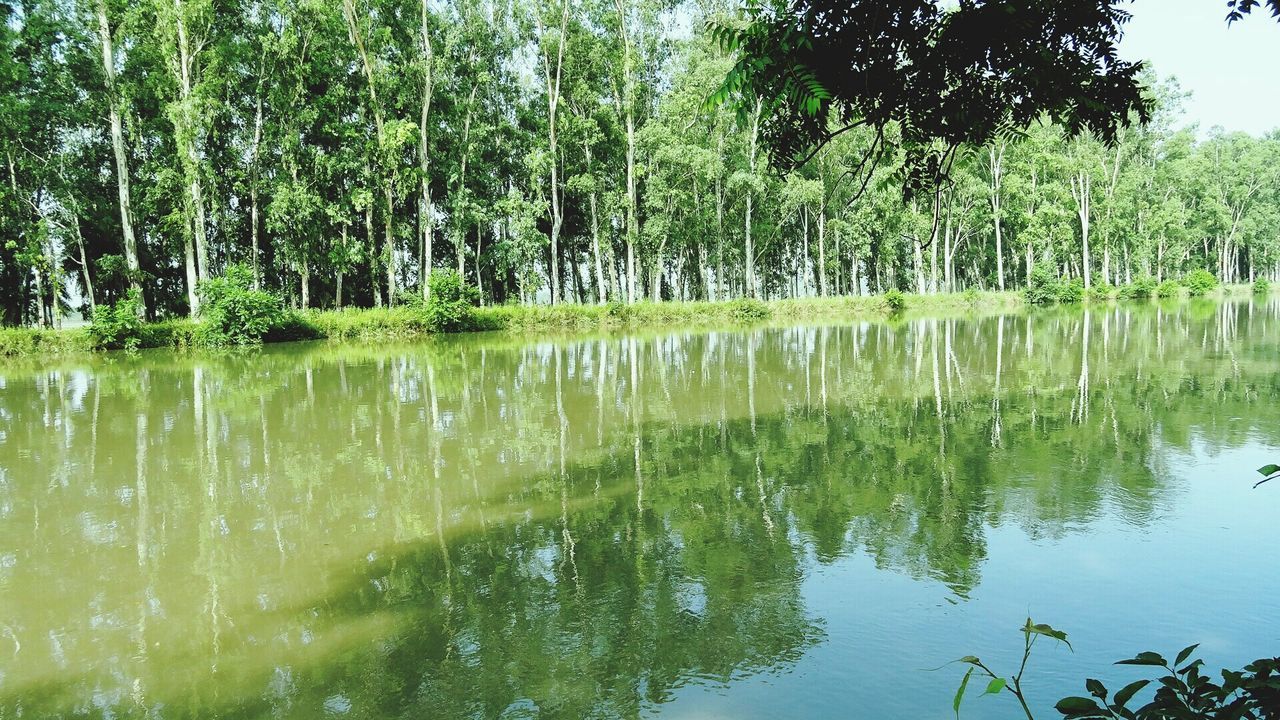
1231,72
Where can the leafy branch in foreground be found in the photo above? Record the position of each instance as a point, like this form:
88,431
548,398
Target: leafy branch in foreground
1269,472
1183,692
1030,633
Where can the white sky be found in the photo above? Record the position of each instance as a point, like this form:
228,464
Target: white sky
1232,73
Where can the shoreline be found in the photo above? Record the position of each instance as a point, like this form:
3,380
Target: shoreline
401,323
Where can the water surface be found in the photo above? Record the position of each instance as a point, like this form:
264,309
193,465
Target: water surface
792,522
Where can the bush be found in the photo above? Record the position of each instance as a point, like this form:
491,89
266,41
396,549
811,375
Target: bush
1168,289
1042,286
234,313
618,311
118,326
1142,288
1261,286
895,301
748,310
451,306
1071,291
971,296
1101,292
1199,282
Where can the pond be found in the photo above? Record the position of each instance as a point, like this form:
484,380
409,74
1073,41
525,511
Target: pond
781,522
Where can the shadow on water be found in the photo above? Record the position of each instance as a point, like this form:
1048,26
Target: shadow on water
492,528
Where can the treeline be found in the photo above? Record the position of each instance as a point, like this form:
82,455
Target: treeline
549,151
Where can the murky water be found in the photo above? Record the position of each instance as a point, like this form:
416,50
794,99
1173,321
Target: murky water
790,522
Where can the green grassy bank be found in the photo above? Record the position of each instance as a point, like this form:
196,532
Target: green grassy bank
374,325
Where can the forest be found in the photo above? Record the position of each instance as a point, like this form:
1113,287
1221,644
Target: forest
549,151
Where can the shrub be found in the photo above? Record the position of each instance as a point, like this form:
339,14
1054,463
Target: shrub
1142,288
748,310
1168,289
1071,291
1042,286
895,301
1261,286
1101,292
408,297
451,307
233,312
971,296
618,311
1199,282
118,326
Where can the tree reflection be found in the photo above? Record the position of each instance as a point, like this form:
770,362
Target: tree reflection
482,526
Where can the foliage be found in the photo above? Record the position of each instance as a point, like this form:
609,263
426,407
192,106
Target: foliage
1071,291
749,310
1031,632
452,303
233,313
1261,286
1199,282
971,296
118,326
1140,289
895,301
1042,287
1168,289
1183,692
957,75
1101,292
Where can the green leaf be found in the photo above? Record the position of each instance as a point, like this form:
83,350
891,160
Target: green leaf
995,686
1127,692
1186,653
1072,706
970,659
955,704
1096,689
1145,658
1047,631
1268,470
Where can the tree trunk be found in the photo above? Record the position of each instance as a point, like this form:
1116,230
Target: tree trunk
122,160
424,160
186,137
997,177
749,253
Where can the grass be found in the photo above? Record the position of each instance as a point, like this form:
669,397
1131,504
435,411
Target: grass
388,324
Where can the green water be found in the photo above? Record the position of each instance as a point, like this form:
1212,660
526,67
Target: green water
789,522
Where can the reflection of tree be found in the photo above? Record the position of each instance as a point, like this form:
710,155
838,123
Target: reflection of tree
473,525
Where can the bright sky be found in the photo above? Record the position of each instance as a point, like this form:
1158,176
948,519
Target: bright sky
1230,72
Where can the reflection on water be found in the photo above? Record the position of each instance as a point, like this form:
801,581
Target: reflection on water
485,527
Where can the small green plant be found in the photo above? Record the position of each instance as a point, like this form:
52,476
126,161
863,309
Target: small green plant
1199,282
451,306
1071,291
895,301
1031,632
1042,286
1168,289
118,326
971,296
1141,289
749,310
233,313
1261,286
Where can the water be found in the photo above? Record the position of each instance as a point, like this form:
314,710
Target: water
793,522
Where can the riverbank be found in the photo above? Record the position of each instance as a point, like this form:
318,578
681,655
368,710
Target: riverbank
404,322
